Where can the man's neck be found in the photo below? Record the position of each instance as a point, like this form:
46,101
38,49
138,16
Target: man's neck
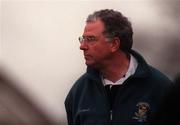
117,67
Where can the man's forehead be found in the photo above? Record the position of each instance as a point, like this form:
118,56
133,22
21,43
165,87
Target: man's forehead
95,22
96,26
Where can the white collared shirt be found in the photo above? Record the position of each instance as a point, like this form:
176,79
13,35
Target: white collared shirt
131,70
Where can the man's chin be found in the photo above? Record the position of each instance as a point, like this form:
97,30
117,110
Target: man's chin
89,63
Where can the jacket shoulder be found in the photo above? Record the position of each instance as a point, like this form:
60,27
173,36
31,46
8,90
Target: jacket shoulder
160,77
76,88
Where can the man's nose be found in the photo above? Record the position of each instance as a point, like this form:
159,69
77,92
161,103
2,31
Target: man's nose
83,46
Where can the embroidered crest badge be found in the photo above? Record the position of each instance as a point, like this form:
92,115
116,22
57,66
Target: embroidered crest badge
141,114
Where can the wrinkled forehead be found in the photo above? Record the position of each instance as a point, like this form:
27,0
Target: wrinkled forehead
95,27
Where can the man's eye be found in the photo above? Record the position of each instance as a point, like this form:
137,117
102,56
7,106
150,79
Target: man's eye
91,38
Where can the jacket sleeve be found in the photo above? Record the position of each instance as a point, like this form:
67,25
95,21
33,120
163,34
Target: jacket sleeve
68,108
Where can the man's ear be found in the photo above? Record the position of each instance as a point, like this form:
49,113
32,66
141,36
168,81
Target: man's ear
115,44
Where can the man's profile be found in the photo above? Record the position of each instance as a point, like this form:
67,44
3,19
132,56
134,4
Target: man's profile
119,86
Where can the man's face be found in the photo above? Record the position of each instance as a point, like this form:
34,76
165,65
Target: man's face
97,51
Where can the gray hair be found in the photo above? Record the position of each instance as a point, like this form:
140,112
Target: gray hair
116,25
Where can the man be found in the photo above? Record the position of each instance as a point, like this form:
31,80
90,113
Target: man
119,87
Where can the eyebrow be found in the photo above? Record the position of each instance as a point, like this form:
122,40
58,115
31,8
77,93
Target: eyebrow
89,36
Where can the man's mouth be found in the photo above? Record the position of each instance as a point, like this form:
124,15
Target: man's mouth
86,56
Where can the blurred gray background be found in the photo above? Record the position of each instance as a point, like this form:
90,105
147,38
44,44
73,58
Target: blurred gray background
39,49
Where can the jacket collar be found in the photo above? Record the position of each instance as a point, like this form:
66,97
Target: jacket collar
143,69
93,73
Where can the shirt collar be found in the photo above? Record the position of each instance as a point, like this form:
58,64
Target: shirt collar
131,70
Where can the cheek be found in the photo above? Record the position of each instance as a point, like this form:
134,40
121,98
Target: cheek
101,53
100,50
100,47
97,49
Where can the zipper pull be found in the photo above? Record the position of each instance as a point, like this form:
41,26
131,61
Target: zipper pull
110,115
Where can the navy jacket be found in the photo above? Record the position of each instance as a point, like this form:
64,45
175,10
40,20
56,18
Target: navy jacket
135,102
